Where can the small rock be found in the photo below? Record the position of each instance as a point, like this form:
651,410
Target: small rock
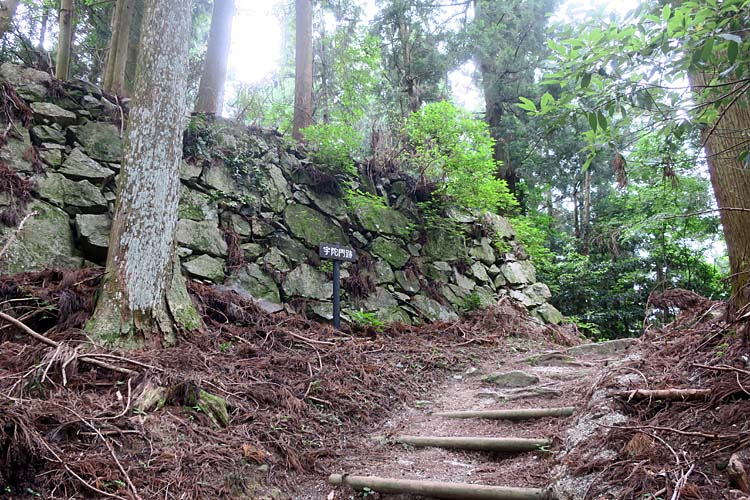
74,197
52,113
79,167
201,236
305,281
511,379
602,349
205,267
45,134
93,235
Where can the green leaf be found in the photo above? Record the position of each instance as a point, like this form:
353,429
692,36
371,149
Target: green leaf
585,80
708,49
666,12
527,104
732,51
744,158
602,121
593,120
547,101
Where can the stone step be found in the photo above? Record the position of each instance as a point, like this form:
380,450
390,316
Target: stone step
514,414
475,443
439,489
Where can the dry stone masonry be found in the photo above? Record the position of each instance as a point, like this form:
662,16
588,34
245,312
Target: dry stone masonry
253,210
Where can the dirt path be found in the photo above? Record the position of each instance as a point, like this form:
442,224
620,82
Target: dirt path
542,379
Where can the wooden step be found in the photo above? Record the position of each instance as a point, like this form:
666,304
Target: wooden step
440,489
517,414
514,445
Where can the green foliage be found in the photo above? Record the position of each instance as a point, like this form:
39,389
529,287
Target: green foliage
199,140
366,319
472,302
333,147
532,231
452,149
630,73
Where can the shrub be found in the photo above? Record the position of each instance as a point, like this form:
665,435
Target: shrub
451,148
333,147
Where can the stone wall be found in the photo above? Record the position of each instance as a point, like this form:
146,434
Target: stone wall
253,209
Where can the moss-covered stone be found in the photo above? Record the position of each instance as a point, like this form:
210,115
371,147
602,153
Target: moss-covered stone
205,267
201,236
444,245
46,240
195,205
390,251
258,284
313,227
79,167
380,219
307,282
101,141
74,196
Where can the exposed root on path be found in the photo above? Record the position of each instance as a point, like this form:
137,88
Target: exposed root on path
294,391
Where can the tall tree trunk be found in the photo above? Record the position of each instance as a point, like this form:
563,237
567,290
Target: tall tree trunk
62,66
121,53
730,179
43,29
303,102
211,91
7,12
119,45
143,297
133,46
109,69
586,222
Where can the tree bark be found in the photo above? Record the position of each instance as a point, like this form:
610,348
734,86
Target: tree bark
730,179
211,91
7,12
143,297
109,69
62,66
133,46
43,30
303,105
120,49
121,53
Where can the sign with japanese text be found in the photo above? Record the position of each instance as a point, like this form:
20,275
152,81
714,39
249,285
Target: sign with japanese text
331,251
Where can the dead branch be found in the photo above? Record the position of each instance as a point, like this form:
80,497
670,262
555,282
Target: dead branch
41,338
665,394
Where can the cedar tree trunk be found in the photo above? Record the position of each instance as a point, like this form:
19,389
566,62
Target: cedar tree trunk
303,105
143,297
62,65
7,12
724,142
211,91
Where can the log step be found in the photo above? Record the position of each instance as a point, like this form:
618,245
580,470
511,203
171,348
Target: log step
439,489
517,414
475,443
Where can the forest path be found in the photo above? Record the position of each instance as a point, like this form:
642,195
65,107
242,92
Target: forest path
531,378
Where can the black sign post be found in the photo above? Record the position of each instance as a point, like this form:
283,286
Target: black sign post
336,253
